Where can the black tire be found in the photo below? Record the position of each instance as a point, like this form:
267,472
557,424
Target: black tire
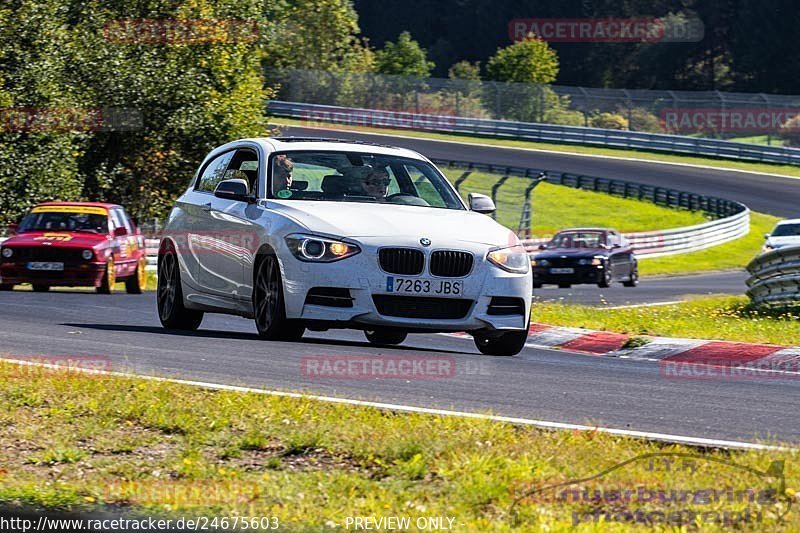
605,282
633,280
269,309
40,288
564,285
386,337
137,283
6,286
109,279
172,312
503,345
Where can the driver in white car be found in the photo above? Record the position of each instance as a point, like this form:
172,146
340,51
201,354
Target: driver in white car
376,184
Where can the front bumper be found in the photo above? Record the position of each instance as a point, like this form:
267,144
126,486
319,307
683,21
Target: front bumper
580,274
362,276
74,275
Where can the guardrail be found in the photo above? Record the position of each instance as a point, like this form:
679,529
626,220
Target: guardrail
775,278
732,218
659,142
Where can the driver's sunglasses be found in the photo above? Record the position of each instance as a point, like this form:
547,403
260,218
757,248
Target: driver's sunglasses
377,182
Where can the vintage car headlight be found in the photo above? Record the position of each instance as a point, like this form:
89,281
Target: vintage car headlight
595,261
319,249
7,252
513,259
87,255
540,262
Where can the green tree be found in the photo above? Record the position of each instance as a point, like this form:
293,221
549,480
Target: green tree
315,35
464,70
528,61
403,58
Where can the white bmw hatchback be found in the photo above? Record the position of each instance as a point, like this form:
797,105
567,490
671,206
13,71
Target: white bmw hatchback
318,234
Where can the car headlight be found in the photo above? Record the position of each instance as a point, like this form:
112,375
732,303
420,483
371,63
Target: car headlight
513,259
595,261
319,249
540,262
87,255
7,252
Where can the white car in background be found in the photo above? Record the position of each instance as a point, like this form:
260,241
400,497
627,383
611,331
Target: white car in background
786,233
317,234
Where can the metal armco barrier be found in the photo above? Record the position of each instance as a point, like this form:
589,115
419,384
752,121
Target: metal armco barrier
732,218
659,142
775,278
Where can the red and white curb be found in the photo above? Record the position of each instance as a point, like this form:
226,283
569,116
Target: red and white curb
678,358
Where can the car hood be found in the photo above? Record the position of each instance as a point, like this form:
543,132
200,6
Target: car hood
779,242
380,220
57,238
570,252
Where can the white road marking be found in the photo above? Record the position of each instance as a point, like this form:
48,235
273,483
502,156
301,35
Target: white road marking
664,437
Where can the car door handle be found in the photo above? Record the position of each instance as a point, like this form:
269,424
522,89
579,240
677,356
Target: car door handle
206,207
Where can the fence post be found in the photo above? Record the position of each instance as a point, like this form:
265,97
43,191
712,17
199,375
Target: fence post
495,187
525,217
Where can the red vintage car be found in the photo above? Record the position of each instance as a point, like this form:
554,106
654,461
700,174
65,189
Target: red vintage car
74,244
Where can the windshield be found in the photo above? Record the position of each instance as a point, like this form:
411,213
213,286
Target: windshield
64,221
787,230
359,177
583,239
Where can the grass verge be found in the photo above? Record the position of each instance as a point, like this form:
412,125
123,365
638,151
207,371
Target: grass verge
729,318
785,170
138,447
555,207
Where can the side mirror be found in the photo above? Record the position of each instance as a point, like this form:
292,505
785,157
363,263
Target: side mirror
480,203
616,245
12,228
543,247
767,235
234,189
120,232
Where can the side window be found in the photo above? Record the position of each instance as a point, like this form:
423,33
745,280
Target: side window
126,220
244,165
214,172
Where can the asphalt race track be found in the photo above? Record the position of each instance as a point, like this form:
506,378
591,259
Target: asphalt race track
650,290
763,193
541,384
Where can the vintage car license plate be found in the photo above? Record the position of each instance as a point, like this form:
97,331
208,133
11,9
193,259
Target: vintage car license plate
431,287
562,270
45,266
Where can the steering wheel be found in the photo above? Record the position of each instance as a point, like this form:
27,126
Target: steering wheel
406,199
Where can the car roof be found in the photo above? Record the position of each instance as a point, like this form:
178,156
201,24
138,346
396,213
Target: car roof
280,144
102,205
599,230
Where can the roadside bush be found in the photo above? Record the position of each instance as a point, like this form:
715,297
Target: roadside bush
790,131
643,120
610,121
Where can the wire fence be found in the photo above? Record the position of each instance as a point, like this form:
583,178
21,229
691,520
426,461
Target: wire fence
754,117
